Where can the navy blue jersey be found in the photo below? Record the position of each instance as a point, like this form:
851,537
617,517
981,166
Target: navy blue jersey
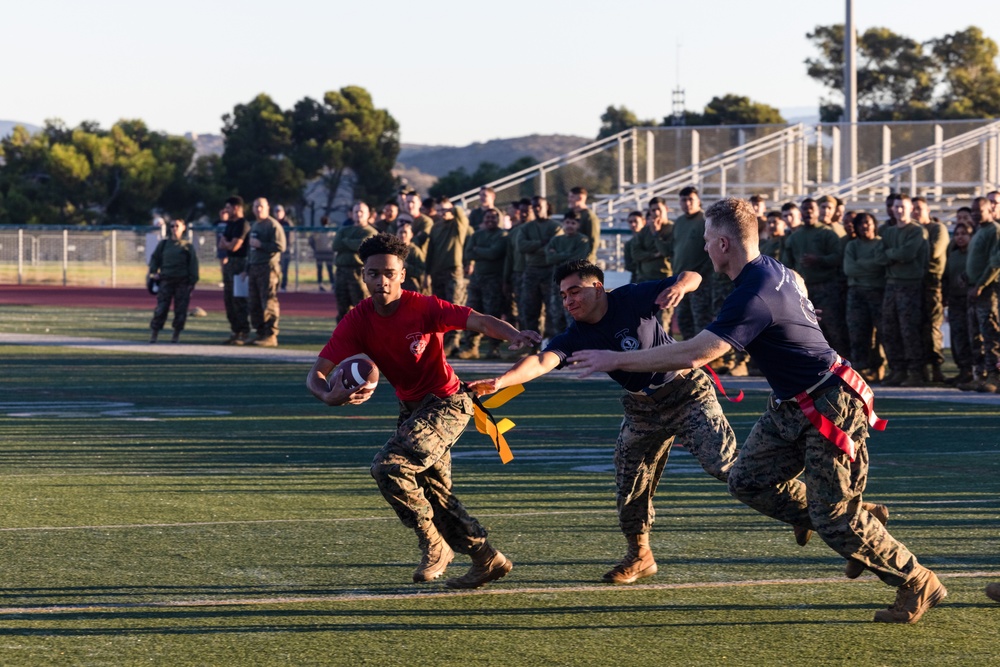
631,323
767,315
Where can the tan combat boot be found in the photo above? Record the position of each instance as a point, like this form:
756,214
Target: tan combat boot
488,565
921,592
638,562
854,567
436,554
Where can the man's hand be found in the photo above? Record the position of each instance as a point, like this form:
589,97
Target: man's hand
483,387
255,243
809,260
524,339
589,362
338,395
670,297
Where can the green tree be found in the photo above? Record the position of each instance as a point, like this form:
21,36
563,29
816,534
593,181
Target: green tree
457,181
971,81
618,119
256,161
732,110
896,77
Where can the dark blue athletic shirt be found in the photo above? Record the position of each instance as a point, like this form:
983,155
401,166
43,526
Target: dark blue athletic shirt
768,316
631,323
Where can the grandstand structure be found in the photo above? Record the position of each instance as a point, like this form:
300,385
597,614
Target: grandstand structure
948,162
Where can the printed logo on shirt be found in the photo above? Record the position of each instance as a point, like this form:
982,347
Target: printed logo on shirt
417,343
627,342
804,303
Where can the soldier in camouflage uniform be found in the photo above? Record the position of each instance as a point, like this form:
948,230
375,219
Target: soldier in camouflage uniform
403,334
816,422
982,271
536,282
659,407
175,264
955,289
864,267
484,256
937,246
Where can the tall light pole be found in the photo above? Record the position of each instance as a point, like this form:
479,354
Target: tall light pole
850,117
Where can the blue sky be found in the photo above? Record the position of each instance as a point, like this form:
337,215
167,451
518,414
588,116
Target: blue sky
450,72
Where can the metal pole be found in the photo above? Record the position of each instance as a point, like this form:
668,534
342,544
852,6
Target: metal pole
650,152
851,89
114,258
65,261
20,257
621,166
938,160
635,156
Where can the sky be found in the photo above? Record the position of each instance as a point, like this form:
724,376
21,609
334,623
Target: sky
450,72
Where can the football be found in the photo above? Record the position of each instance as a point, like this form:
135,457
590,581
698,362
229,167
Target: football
358,372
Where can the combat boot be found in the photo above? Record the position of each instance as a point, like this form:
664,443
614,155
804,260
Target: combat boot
153,335
989,384
937,375
854,567
436,554
638,562
488,565
914,378
964,376
739,369
895,378
802,535
176,338
993,592
470,353
921,592
972,384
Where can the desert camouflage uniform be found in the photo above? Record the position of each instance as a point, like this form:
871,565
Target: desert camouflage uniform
685,410
413,469
784,444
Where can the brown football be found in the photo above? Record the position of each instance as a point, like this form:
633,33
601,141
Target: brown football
358,372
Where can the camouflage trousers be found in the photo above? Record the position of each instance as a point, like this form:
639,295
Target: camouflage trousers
450,286
931,336
512,296
178,291
694,312
686,411
485,295
413,469
265,313
826,296
827,497
864,325
349,289
536,292
961,338
902,321
983,309
237,311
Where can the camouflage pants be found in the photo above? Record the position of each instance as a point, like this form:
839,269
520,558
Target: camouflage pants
864,324
932,338
511,310
958,323
827,498
686,411
902,320
349,289
265,312
237,311
694,312
178,291
984,309
450,286
413,469
826,296
485,296
536,291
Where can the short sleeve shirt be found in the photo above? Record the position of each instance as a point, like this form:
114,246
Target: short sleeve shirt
407,346
768,316
631,323
238,229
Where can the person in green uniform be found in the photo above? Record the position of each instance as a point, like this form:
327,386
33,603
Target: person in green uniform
484,257
590,224
175,265
864,266
350,287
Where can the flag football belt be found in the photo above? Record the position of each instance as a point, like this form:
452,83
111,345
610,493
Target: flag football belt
487,424
827,428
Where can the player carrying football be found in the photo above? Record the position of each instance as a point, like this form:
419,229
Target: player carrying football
402,332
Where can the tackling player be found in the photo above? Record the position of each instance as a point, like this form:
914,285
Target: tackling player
403,334
659,407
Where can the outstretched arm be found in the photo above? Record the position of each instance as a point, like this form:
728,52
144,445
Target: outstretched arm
494,328
687,354
687,281
525,370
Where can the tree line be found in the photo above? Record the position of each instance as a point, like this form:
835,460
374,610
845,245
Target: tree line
119,176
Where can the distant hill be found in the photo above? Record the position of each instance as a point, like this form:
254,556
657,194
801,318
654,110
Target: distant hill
439,160
7,126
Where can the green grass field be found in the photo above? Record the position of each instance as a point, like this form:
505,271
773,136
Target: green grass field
192,511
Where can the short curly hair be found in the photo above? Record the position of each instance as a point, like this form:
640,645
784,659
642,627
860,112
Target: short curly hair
383,244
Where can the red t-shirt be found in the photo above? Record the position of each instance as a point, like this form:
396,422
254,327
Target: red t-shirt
407,346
